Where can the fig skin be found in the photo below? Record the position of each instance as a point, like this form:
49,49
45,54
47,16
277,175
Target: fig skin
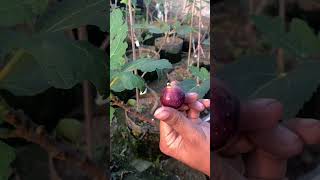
172,96
226,110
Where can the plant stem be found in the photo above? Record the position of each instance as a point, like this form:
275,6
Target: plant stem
105,44
147,13
132,36
133,112
29,131
199,39
87,100
52,170
165,11
191,33
12,63
280,53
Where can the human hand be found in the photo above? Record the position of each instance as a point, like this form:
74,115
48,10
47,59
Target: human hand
267,143
183,135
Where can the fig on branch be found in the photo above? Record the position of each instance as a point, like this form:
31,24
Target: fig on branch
172,96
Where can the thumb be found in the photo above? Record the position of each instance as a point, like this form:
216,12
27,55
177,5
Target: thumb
178,121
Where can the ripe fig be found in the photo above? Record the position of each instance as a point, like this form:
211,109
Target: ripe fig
172,96
225,109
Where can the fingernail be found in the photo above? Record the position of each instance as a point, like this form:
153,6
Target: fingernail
161,114
192,94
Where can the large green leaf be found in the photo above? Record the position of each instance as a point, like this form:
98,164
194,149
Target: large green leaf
305,39
58,61
293,89
255,78
118,34
300,41
248,73
127,80
69,14
14,12
147,65
7,155
23,75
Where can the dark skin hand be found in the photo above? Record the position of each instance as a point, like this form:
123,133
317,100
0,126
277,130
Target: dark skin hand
183,135
267,143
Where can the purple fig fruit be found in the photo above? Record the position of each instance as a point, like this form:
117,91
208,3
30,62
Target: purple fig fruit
225,108
172,96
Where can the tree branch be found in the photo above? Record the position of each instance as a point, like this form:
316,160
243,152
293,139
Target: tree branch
28,130
105,43
130,110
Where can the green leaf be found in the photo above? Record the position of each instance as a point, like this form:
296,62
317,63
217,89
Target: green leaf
206,42
69,14
300,41
202,73
95,68
293,89
118,34
141,165
148,36
69,128
147,2
257,79
14,12
127,80
304,38
273,28
148,65
57,61
124,2
184,30
190,85
248,73
24,75
155,29
7,155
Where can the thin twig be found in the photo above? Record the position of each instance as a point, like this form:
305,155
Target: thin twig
105,43
52,169
190,36
156,99
87,101
133,45
280,54
199,40
134,113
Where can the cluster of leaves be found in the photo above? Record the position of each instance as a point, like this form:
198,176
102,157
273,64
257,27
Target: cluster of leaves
191,85
36,55
163,27
300,41
122,75
256,76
